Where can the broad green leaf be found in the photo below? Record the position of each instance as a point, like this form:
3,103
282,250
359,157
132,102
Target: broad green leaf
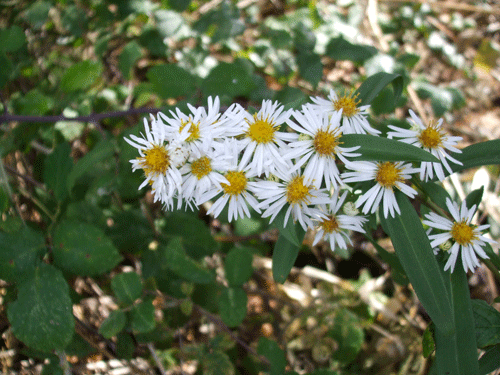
292,96
475,197
57,168
415,254
81,75
349,335
374,84
375,148
42,314
74,19
34,103
113,324
178,5
490,360
127,287
142,316
19,252
466,353
284,255
5,72
176,259
101,151
478,154
233,306
217,363
238,266
442,99
196,236
171,81
130,54
12,39
310,67
131,232
37,13
274,354
170,24
153,41
341,49
232,79
83,249
221,23
487,323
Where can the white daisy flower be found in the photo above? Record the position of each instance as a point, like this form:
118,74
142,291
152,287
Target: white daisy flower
353,117
320,148
159,160
466,237
336,228
432,138
237,193
262,140
293,193
387,176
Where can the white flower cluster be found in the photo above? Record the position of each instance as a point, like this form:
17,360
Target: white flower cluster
242,161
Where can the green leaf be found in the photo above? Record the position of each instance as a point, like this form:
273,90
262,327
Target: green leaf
475,197
292,232
130,54
428,344
490,360
238,266
349,335
176,260
170,24
34,103
153,41
19,252
442,99
478,154
12,39
341,49
101,151
171,81
80,76
125,346
83,249
274,354
74,19
415,254
127,287
217,363
310,67
131,231
231,79
179,5
42,314
113,324
233,306
374,84
284,255
142,316
37,13
5,72
487,323
57,168
435,192
375,148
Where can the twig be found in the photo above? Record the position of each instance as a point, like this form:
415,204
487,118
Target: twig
25,178
372,13
159,365
451,5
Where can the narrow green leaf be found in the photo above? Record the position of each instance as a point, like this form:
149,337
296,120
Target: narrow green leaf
375,148
474,197
374,84
284,255
490,360
171,81
292,232
42,314
233,306
113,324
81,75
415,254
238,266
127,287
275,355
487,323
436,193
142,316
446,361
57,168
478,154
83,249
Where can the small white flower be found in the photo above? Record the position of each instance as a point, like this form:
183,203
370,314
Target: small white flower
294,194
432,138
336,228
387,176
353,117
465,236
262,141
320,148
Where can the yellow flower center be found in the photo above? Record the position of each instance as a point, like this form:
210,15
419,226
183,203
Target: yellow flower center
261,131
155,160
348,104
201,167
388,174
431,137
194,130
462,233
325,142
296,191
237,183
330,224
